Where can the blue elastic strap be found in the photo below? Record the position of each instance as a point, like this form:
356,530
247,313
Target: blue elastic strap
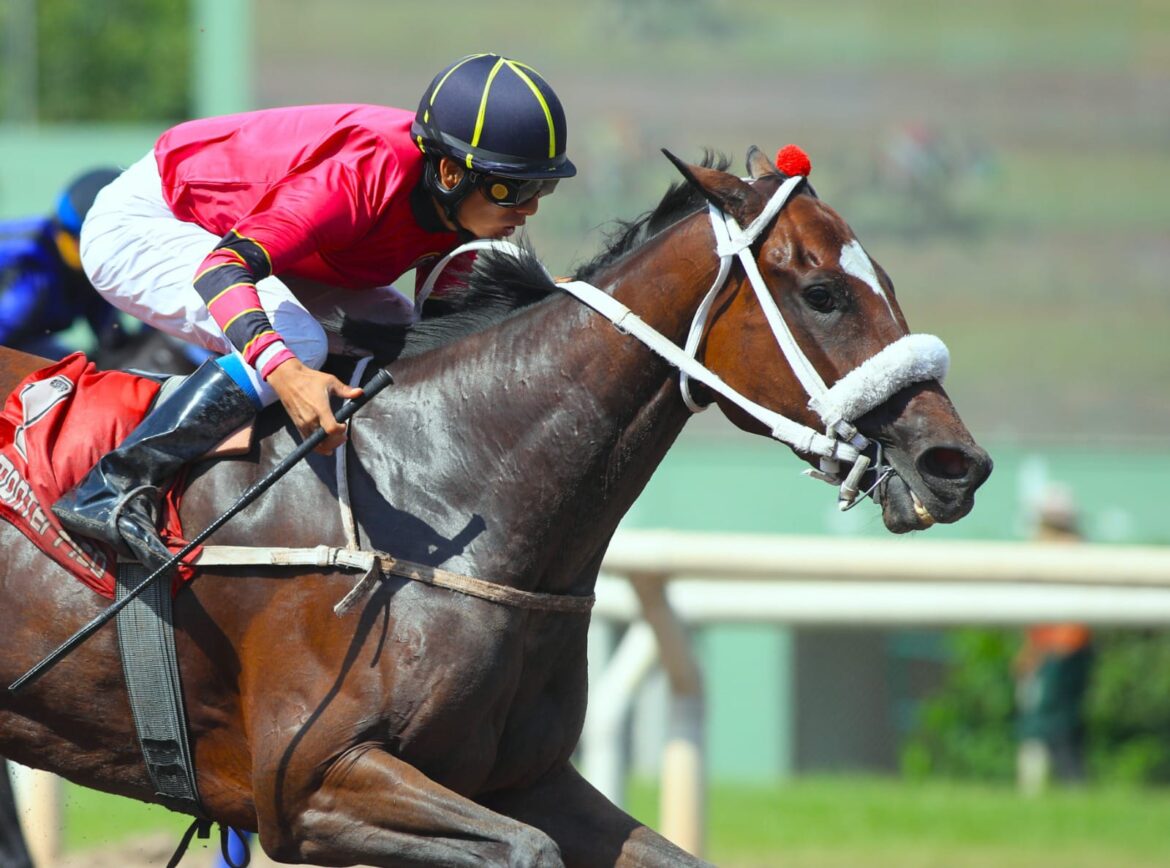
234,367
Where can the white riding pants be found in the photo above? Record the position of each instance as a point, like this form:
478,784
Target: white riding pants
143,260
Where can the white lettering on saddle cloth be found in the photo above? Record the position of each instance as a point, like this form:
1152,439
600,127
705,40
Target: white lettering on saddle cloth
37,399
17,495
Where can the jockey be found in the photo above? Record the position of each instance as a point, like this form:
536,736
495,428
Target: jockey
237,232
43,290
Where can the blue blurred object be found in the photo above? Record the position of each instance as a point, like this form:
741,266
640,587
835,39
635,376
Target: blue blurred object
77,198
237,850
43,290
48,306
41,294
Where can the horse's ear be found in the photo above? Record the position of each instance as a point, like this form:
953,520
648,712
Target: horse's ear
726,192
758,164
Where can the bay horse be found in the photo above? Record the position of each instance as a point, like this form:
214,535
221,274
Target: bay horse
427,727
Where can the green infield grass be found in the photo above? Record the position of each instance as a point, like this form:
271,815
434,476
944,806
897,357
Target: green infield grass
833,822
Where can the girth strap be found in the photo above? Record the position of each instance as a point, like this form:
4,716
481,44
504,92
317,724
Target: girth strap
376,563
150,665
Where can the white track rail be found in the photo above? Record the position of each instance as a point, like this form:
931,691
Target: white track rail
663,582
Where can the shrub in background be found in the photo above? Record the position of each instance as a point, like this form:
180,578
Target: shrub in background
118,60
967,730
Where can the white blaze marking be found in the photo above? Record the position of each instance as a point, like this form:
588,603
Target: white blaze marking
856,263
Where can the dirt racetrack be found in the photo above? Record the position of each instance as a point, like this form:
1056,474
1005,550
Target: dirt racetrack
151,851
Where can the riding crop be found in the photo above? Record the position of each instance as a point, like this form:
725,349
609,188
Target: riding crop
377,383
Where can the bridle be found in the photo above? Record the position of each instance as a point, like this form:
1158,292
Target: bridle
911,359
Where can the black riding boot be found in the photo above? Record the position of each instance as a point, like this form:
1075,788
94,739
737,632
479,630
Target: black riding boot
117,501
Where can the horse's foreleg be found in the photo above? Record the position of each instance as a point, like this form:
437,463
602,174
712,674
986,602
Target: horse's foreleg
373,809
589,828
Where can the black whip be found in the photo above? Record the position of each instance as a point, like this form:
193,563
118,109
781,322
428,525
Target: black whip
377,383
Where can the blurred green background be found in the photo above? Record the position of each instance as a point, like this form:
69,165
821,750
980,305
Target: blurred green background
1006,162
1031,234
1038,250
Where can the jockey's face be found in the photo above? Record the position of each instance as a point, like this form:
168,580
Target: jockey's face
485,219
478,214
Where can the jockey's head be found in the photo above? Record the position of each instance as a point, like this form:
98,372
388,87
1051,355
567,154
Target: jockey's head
73,204
492,127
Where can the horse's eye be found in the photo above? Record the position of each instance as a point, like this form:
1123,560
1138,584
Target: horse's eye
819,298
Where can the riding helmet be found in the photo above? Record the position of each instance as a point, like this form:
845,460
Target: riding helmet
495,116
77,198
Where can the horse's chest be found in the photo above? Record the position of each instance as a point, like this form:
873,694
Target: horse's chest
482,691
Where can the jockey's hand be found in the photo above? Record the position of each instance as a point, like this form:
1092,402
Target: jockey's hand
305,394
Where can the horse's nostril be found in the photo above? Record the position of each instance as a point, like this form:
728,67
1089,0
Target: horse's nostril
944,462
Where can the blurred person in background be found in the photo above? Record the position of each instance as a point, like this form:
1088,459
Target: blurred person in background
49,308
931,173
43,289
1052,671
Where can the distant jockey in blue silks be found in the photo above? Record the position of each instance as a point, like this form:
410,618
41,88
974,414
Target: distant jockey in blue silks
43,290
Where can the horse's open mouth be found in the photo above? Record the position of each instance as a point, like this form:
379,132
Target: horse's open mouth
927,499
902,509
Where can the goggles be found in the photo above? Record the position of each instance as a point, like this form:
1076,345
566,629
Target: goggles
510,192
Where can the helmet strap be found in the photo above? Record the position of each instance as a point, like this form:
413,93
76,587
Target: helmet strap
449,198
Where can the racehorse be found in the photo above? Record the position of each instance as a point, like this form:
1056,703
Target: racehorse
431,727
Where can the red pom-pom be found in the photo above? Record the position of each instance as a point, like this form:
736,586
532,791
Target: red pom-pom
791,160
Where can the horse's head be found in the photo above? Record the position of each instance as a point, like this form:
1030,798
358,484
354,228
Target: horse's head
817,337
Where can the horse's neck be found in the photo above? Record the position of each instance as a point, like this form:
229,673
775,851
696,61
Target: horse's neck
513,454
665,281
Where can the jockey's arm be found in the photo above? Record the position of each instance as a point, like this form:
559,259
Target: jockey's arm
302,213
305,394
227,283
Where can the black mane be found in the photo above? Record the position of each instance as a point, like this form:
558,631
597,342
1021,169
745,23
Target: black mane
679,201
501,284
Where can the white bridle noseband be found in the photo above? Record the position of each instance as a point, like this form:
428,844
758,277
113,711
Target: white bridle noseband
911,359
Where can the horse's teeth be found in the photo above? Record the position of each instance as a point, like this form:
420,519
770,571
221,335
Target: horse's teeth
921,511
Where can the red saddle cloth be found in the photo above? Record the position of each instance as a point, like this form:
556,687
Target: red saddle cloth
55,426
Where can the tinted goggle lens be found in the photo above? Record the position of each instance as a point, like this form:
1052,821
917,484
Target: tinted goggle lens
510,192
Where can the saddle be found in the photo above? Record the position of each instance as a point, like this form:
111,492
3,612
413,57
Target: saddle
54,427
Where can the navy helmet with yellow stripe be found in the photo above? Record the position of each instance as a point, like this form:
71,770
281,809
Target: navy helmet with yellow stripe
494,116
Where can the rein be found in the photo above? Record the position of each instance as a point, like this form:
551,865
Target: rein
911,359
